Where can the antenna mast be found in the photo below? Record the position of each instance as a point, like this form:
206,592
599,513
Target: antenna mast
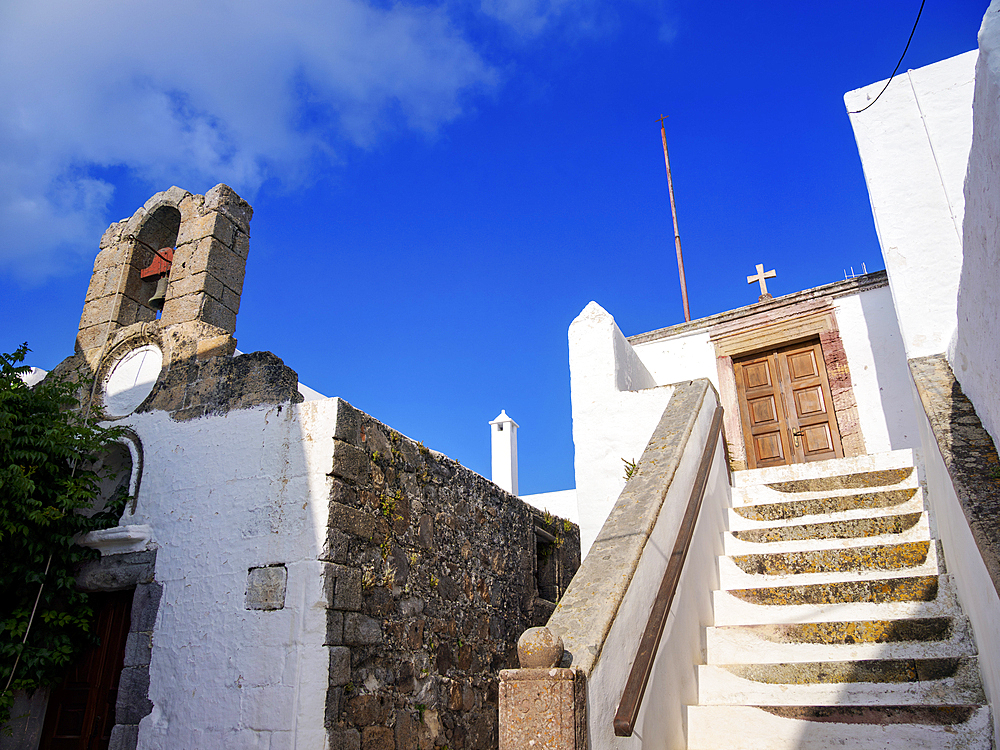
673,213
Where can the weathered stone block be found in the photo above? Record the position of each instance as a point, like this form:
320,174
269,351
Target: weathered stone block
212,224
377,738
407,727
335,547
116,572
351,520
124,737
425,533
98,311
145,604
91,338
361,630
224,199
111,235
334,706
215,313
138,648
340,665
342,587
193,283
266,587
241,244
133,696
334,628
349,462
181,309
344,739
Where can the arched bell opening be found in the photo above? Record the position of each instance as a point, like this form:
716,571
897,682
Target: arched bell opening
153,257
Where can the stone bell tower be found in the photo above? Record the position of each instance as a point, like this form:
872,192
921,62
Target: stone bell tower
210,238
190,251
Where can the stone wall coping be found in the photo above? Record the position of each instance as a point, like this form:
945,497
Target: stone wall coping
587,610
968,452
873,280
527,675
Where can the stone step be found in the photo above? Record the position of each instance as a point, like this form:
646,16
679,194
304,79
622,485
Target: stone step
825,503
850,528
900,599
737,521
840,641
863,683
764,494
897,531
827,566
834,727
817,469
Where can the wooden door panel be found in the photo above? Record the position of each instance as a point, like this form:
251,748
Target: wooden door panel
763,411
802,365
809,401
757,375
767,448
817,439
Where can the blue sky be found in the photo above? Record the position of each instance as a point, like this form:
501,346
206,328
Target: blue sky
440,188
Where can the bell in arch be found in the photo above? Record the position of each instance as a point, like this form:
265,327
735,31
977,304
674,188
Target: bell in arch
160,295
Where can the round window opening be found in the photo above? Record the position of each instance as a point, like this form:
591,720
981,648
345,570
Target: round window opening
131,380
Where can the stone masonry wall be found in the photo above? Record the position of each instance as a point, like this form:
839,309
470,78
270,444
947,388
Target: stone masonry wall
432,574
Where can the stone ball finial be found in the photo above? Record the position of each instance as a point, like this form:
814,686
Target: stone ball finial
539,648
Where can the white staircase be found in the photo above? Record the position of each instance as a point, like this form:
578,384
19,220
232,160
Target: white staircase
836,624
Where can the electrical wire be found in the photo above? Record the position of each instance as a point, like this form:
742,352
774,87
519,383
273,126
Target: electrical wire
859,111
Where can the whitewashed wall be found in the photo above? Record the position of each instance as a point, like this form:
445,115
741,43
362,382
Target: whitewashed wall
976,359
222,495
616,406
914,144
678,358
561,503
880,377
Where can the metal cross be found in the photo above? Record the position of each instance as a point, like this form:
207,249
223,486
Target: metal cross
761,275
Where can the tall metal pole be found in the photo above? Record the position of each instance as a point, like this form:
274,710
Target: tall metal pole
673,213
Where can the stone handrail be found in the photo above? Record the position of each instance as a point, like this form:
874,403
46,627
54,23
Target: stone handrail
642,667
566,692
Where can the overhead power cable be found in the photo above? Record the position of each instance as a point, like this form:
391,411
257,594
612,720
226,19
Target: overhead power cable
859,111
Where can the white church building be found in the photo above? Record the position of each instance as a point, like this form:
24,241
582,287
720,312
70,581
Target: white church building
807,552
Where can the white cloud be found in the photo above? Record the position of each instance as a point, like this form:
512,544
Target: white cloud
201,91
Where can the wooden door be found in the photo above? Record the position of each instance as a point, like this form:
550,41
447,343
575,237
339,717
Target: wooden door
786,407
81,710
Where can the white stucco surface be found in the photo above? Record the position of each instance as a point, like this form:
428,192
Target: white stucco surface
616,406
678,358
879,375
914,145
222,495
561,503
673,684
976,358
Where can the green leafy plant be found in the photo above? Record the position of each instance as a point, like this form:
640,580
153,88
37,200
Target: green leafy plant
47,448
630,469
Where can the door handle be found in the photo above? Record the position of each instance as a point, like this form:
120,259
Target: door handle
795,435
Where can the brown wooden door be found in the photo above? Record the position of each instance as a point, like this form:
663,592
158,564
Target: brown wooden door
81,710
786,407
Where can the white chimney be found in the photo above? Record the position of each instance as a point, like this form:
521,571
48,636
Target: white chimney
503,438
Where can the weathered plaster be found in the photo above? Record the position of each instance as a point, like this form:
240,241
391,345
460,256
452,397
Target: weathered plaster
976,359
